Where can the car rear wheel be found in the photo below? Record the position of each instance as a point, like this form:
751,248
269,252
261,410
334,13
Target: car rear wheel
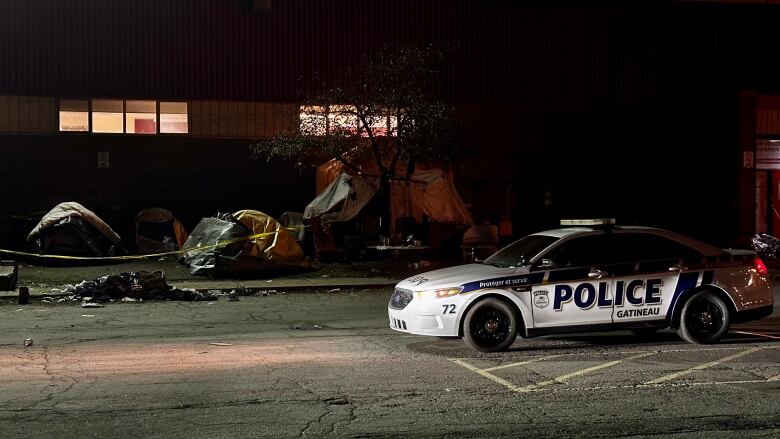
705,318
490,325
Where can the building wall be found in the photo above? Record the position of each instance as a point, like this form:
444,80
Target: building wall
542,53
543,89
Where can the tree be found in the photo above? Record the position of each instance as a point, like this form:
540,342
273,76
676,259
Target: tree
384,116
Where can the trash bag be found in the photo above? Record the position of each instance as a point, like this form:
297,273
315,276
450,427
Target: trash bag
766,246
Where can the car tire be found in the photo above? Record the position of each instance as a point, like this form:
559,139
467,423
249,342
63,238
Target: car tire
704,319
490,325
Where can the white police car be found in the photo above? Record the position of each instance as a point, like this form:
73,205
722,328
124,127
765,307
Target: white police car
591,277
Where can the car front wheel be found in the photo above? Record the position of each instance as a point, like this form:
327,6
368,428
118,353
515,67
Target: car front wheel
705,318
490,325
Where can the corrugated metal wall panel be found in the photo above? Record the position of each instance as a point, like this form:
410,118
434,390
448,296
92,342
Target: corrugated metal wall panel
532,52
768,122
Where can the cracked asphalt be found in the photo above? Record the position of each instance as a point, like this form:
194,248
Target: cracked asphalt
326,365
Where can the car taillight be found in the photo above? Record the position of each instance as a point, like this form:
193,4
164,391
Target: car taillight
760,267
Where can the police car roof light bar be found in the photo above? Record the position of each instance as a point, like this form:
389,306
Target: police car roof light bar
588,222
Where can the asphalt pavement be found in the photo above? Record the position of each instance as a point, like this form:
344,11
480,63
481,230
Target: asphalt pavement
312,363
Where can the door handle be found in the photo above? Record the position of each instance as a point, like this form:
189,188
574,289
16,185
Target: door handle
678,267
595,273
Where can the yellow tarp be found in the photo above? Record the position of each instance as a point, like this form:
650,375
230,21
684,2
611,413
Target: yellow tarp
279,248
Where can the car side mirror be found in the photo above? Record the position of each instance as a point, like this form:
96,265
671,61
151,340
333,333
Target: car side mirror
545,264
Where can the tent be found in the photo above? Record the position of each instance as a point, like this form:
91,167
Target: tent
157,231
72,229
236,254
429,192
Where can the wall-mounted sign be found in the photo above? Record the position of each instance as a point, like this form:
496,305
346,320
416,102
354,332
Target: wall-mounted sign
768,154
104,160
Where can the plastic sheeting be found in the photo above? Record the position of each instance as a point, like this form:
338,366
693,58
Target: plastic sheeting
279,247
430,192
71,229
74,210
293,220
273,251
342,200
209,232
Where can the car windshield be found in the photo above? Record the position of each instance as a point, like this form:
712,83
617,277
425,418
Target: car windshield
520,252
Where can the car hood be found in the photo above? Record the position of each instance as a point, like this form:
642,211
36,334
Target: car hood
455,276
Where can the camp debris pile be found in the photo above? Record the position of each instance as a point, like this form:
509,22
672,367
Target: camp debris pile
131,286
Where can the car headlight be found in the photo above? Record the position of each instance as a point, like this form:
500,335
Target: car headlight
444,292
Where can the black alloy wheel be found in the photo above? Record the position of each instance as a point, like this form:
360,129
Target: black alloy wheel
490,325
705,318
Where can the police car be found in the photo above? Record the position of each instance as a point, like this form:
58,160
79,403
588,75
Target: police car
589,275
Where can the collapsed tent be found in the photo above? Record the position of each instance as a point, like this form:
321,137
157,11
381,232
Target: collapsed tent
72,229
231,252
428,192
157,230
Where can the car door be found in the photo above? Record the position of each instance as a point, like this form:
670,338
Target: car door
645,293
578,282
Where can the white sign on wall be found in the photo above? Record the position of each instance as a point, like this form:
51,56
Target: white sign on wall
768,154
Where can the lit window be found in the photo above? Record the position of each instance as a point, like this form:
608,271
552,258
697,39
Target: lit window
107,115
173,118
74,115
141,117
377,124
317,120
313,120
392,121
342,118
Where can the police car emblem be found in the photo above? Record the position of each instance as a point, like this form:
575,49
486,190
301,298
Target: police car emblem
540,299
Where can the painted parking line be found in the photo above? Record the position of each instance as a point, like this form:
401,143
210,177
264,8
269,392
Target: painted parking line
675,375
563,378
487,375
653,386
657,383
532,387
773,337
504,366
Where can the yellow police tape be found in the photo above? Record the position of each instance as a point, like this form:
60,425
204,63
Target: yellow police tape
199,248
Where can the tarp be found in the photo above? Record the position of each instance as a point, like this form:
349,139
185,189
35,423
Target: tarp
294,220
154,227
70,229
74,210
342,200
210,232
429,192
278,249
